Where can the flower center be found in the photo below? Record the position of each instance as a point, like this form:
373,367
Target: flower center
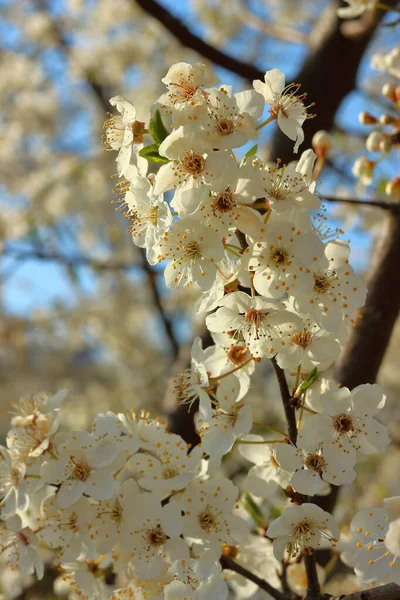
223,202
321,283
170,472
302,529
278,255
207,521
192,249
302,339
225,126
238,354
156,536
193,164
229,551
81,470
343,423
315,462
254,317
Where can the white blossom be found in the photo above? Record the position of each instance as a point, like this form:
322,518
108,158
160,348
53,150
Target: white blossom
287,108
347,425
80,467
301,528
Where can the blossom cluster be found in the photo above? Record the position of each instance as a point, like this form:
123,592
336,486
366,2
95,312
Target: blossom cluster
131,509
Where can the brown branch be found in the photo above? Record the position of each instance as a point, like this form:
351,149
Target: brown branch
166,321
73,261
390,591
290,411
228,563
313,587
112,265
184,36
390,206
365,349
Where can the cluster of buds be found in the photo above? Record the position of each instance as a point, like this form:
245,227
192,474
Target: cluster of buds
384,137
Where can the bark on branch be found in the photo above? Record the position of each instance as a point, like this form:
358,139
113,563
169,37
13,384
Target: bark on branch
183,34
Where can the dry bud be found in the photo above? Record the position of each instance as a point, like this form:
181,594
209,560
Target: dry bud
321,142
393,188
366,118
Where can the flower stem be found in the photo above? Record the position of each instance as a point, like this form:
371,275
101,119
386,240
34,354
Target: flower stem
271,118
246,362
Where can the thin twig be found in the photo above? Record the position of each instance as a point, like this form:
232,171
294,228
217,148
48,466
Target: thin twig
290,411
228,563
392,206
184,36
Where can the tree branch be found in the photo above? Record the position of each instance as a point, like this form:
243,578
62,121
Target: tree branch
313,587
391,591
363,354
228,563
390,206
290,411
184,36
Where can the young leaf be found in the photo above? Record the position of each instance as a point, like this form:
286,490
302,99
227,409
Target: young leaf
251,152
151,154
157,128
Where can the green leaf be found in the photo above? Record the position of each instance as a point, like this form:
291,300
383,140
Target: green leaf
251,152
151,154
157,128
307,383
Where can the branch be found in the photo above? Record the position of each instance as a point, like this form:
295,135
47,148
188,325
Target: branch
279,32
290,411
363,354
390,206
73,261
112,265
166,321
228,563
313,587
390,591
184,36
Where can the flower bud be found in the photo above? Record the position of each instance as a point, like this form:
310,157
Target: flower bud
385,145
374,140
389,92
321,142
393,188
366,118
363,169
386,119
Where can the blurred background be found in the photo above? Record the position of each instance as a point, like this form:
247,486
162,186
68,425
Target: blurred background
80,308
